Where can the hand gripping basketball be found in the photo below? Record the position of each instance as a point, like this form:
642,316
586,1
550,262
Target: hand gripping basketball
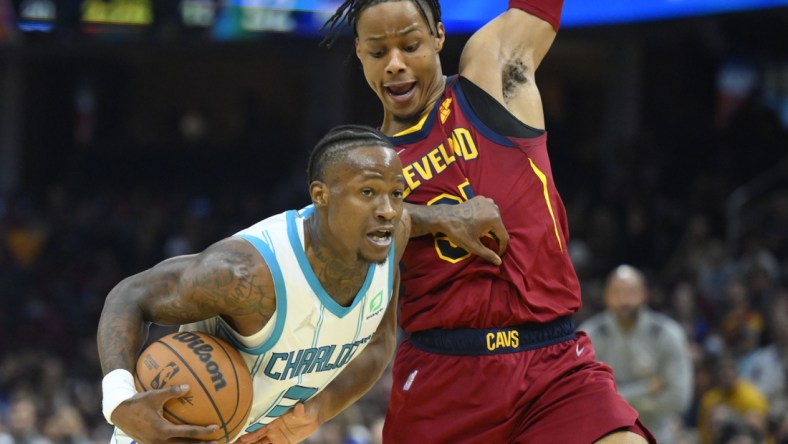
219,385
141,417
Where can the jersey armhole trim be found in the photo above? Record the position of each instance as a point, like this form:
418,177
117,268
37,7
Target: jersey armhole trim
281,295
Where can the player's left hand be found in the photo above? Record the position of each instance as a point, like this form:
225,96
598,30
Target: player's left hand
294,426
473,219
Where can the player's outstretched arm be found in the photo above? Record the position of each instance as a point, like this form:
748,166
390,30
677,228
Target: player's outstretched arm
465,224
227,278
502,57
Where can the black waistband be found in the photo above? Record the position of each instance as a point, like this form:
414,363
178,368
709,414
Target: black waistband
494,341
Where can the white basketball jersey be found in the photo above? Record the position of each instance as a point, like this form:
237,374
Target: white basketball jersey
310,338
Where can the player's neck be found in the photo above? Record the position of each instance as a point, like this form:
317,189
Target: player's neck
341,275
393,125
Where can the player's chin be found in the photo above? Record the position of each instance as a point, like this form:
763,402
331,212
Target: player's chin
409,115
407,111
375,258
376,254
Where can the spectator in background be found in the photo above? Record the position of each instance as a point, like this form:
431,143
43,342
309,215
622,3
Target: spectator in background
731,402
66,426
742,323
768,365
690,311
23,422
648,351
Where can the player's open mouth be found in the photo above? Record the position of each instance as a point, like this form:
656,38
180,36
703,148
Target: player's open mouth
380,237
400,92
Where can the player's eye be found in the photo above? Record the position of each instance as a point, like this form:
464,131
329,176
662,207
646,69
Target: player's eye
367,192
398,194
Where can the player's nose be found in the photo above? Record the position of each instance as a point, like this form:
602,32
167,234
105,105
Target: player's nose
385,208
396,62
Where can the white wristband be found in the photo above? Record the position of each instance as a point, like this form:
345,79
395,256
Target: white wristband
117,386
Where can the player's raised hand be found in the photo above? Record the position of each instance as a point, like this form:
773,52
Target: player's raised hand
141,417
294,426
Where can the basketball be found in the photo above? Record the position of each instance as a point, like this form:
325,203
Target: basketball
219,380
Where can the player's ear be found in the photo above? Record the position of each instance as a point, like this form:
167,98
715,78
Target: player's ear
358,49
440,37
319,193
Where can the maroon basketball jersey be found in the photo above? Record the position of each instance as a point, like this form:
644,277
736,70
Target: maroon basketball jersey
450,157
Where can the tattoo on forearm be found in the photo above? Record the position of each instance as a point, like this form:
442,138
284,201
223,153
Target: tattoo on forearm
119,339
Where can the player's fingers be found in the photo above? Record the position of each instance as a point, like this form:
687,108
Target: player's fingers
262,440
253,437
188,441
191,431
165,394
270,440
299,410
500,233
476,247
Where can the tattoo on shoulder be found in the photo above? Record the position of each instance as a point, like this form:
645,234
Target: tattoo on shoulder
236,287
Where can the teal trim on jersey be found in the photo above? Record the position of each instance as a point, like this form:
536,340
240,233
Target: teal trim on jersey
329,302
307,211
257,421
258,362
316,336
299,392
279,411
391,268
360,319
254,427
281,295
319,326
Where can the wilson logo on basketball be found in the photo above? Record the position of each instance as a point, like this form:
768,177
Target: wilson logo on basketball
204,353
161,378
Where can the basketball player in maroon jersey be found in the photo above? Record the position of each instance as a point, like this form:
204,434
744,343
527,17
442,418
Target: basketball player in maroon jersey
492,354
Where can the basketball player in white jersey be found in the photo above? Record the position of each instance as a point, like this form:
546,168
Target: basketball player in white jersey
308,297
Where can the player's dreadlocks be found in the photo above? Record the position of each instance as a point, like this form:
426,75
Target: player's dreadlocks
339,141
348,12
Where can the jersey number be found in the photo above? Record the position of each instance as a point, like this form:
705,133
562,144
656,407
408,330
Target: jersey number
446,249
291,397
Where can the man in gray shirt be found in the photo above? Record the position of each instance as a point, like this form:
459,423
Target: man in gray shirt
647,350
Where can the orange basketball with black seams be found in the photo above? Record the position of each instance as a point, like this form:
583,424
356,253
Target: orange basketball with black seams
219,380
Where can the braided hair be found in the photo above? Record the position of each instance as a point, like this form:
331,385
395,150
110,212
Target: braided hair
337,143
348,13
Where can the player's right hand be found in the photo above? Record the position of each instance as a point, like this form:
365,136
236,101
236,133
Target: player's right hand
294,426
473,219
142,418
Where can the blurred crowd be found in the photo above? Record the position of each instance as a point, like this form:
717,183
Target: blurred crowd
60,255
